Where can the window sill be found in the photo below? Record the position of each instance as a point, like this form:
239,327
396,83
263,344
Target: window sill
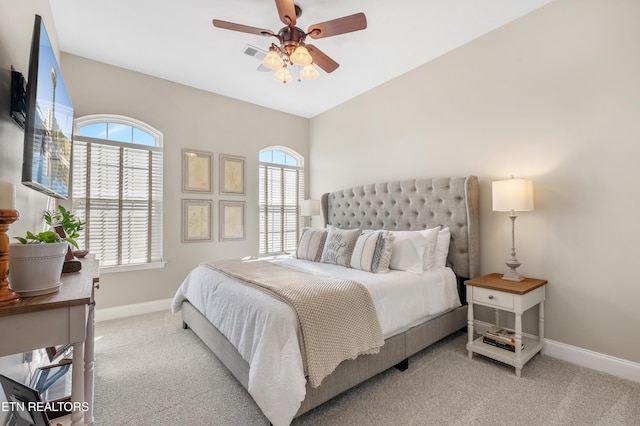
130,268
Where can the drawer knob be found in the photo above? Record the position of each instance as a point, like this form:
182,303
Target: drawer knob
490,297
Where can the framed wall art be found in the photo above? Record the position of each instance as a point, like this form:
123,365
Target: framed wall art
196,221
197,171
231,175
232,220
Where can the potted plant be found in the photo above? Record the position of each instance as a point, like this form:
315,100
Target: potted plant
66,224
37,261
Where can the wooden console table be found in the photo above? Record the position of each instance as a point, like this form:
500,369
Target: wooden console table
55,319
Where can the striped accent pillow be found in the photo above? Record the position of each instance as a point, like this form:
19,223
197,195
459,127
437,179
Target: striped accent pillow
311,244
372,252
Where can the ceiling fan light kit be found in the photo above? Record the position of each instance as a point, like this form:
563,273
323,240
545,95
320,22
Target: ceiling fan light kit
283,75
273,61
301,56
309,72
292,49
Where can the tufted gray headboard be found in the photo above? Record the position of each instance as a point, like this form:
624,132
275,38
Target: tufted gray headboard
415,204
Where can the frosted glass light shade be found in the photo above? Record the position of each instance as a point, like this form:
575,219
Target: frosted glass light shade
301,56
282,75
512,195
273,61
309,72
310,208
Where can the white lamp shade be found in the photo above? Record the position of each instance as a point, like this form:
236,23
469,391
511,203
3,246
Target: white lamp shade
310,208
512,195
309,72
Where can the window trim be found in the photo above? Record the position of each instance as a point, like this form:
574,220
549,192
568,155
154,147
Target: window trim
133,267
132,122
119,119
299,168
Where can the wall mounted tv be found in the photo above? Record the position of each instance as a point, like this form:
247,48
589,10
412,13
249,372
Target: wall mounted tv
49,121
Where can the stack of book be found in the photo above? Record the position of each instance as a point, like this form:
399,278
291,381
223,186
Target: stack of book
501,338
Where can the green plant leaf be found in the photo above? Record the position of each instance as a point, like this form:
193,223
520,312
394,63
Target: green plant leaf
72,242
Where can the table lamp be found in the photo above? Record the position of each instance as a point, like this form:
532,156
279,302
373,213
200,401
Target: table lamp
310,208
512,195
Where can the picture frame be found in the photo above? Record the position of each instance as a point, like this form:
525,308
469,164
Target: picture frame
54,352
24,403
196,221
232,221
197,171
231,175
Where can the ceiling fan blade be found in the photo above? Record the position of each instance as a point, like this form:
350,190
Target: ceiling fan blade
242,28
287,11
322,60
338,26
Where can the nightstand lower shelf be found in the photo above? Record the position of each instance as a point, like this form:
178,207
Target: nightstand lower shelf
531,347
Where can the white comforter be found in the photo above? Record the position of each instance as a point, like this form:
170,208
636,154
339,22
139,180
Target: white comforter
264,329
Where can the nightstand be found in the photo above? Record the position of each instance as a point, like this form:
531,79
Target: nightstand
509,296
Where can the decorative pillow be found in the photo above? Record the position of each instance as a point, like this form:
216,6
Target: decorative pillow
407,251
442,248
339,246
372,252
432,237
311,244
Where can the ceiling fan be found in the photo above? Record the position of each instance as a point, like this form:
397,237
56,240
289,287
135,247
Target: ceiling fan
292,48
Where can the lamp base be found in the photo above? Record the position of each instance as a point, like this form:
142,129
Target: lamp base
513,276
7,296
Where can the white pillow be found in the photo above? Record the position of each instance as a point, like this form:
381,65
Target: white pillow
432,237
407,252
442,248
311,244
339,245
372,252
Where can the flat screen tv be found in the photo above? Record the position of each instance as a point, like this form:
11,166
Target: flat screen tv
49,120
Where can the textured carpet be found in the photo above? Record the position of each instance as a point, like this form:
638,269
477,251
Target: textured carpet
149,371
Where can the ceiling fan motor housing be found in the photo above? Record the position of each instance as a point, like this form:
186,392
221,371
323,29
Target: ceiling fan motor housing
291,37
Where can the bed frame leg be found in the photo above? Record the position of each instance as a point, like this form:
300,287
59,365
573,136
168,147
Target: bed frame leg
403,365
185,326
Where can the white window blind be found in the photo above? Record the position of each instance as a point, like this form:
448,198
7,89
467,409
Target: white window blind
117,190
281,193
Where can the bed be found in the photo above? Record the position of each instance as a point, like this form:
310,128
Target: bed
407,205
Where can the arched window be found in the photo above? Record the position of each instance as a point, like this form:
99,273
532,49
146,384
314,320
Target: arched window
281,193
117,189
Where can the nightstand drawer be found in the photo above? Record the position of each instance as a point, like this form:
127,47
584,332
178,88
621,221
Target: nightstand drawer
493,298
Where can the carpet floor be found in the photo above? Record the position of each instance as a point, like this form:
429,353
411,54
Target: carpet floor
149,371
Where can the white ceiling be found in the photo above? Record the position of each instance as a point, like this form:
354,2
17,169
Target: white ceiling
176,41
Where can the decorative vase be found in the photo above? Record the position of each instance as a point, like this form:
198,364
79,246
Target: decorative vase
35,269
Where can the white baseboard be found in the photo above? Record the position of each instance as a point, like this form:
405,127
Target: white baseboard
131,310
607,364
596,361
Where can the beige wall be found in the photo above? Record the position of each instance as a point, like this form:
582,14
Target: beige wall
188,118
554,97
16,28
